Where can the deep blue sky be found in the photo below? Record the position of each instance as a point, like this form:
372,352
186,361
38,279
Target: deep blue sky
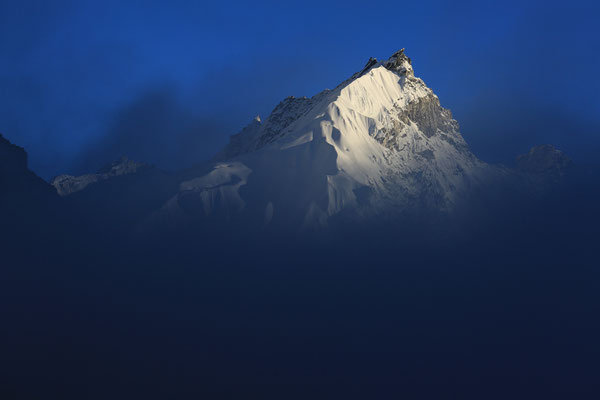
82,82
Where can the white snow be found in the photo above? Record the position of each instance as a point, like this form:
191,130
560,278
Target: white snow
307,160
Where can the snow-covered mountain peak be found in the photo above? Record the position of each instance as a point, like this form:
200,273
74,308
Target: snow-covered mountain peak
379,143
382,83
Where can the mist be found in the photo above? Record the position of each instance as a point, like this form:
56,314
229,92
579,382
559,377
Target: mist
311,267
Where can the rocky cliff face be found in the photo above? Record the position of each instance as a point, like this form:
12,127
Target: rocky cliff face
400,64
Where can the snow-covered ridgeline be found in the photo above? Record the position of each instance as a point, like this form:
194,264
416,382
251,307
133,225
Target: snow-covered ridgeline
379,140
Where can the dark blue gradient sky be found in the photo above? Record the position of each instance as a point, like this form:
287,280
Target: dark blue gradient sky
83,82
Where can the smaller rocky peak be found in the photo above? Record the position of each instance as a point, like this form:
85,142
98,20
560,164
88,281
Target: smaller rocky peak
400,63
68,184
544,160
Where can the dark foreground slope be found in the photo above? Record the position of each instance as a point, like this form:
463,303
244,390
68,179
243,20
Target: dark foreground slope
28,204
503,305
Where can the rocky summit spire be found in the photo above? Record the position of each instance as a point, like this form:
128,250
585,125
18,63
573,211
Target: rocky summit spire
400,63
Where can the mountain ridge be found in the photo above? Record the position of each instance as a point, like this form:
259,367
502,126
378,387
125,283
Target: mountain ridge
69,184
378,145
381,133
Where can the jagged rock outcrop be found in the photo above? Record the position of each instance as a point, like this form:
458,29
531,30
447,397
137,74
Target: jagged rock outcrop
68,184
400,63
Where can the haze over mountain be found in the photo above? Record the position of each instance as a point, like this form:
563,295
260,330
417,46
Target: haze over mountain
378,145
348,237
